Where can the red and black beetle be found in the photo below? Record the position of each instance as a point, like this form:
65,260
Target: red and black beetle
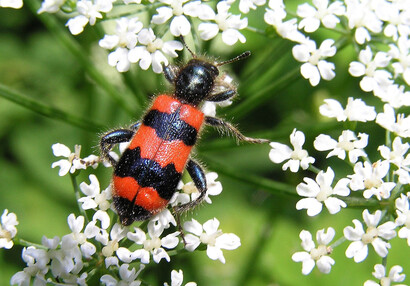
147,174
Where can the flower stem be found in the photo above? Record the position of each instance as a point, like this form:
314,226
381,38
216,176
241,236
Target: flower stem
48,111
22,242
338,242
273,187
73,178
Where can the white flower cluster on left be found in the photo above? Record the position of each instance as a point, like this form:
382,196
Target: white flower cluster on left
104,242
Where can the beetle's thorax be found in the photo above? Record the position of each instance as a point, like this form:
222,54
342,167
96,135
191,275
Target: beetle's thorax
195,81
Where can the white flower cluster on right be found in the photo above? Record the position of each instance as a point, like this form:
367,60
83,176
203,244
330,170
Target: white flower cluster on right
375,179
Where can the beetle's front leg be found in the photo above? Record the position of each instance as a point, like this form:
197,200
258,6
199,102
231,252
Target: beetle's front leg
170,72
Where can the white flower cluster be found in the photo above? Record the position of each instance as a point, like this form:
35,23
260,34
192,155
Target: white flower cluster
383,71
384,181
102,241
143,41
8,229
136,41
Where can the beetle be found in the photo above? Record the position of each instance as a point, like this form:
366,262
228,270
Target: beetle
148,172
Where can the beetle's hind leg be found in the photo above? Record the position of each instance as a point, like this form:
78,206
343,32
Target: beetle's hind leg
199,179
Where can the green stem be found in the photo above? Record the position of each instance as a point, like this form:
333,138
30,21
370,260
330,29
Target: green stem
360,202
255,30
338,242
273,187
314,169
47,111
22,242
73,178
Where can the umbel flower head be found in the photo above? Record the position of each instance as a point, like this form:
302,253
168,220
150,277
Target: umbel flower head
375,234
8,229
315,255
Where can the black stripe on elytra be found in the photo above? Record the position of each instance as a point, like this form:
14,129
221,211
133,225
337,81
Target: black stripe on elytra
148,173
169,126
128,212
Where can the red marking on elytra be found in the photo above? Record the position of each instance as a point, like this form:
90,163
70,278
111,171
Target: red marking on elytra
147,197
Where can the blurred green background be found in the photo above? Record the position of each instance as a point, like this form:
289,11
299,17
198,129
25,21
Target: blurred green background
273,99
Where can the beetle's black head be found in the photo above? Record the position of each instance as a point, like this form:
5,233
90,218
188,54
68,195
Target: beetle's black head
195,81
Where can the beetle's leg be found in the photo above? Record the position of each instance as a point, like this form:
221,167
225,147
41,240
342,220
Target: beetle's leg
135,126
199,179
109,139
221,96
217,122
170,72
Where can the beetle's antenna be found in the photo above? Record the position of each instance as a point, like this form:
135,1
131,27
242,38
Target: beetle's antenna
237,58
186,46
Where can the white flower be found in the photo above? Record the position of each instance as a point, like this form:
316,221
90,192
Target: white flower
153,50
402,55
127,277
15,4
36,267
124,40
396,156
176,279
375,235
297,157
347,143
315,67
73,161
361,16
50,6
210,235
89,12
180,25
246,5
396,18
403,217
369,177
76,237
380,273
288,29
322,12
356,110
315,255
163,220
397,124
8,229
117,233
320,192
394,94
227,23
374,78
154,244
191,193
94,198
